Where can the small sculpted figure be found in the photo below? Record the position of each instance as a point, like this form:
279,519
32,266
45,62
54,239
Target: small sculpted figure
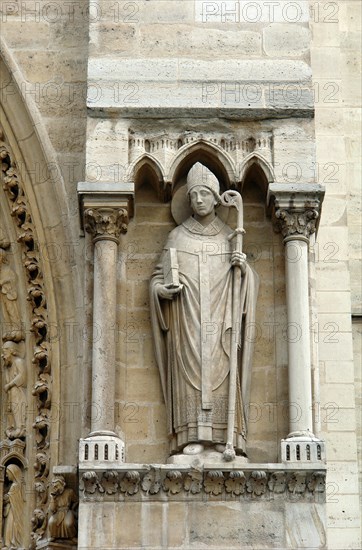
13,509
191,296
61,523
9,298
15,382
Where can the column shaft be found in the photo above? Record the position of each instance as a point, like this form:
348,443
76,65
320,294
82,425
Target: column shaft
104,325
299,370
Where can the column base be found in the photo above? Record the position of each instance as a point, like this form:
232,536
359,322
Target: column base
101,448
303,447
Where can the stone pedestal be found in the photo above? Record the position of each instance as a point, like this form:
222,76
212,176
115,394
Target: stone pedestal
218,505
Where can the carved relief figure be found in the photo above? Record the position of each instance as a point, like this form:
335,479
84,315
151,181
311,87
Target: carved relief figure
191,311
63,501
15,381
8,295
13,509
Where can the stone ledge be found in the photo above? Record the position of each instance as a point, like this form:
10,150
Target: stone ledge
219,112
160,482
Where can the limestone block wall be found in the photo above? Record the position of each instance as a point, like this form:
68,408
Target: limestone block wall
335,65
173,56
45,45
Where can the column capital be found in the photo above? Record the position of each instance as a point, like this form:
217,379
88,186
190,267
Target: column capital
295,209
105,223
105,209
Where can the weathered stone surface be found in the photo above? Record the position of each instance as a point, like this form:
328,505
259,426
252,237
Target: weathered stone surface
286,40
45,45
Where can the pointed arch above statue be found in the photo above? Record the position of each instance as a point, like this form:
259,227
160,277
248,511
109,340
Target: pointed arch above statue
255,162
208,153
148,168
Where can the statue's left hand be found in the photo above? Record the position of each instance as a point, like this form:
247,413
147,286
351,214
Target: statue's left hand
239,259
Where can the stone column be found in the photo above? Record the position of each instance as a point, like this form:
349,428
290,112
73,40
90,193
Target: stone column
105,225
295,212
105,216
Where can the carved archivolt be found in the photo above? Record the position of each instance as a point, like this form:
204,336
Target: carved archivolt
12,351
157,482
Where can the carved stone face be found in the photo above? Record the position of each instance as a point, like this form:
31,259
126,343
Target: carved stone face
202,200
10,475
57,487
7,353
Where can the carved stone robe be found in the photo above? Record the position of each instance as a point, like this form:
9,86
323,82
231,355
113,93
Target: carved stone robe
13,510
192,336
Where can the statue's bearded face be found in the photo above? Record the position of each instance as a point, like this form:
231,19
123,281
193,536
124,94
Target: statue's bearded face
202,200
7,354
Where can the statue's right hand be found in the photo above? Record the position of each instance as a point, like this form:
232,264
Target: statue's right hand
168,292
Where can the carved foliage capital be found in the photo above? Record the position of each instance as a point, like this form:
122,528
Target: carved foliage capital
106,222
293,223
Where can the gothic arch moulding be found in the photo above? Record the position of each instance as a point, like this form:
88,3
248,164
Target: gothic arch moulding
208,153
257,163
33,193
148,168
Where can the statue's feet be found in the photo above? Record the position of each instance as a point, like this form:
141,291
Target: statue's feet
193,449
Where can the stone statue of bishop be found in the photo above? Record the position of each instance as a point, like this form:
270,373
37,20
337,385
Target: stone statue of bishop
192,291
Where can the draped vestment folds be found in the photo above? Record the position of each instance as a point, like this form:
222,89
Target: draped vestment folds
192,335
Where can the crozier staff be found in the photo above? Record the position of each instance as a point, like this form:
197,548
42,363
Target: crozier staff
191,314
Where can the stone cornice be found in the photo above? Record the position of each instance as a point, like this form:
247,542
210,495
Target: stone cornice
305,482
295,209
